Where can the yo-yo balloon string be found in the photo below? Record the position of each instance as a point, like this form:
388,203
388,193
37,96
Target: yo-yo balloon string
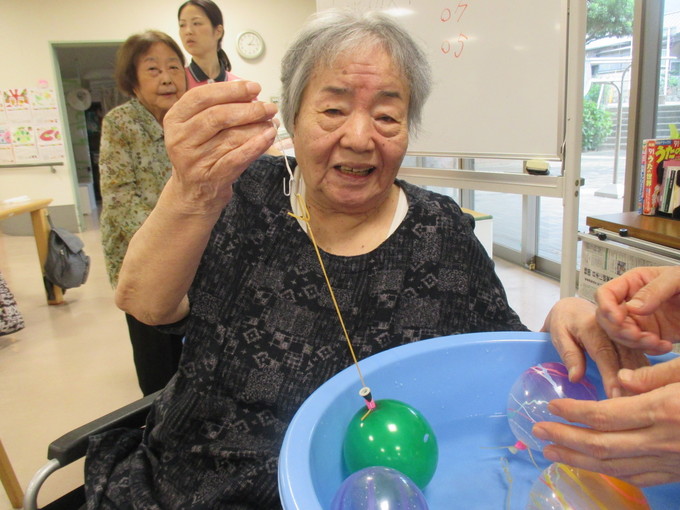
518,446
306,217
505,466
533,461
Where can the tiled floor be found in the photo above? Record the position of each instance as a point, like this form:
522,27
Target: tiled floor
72,362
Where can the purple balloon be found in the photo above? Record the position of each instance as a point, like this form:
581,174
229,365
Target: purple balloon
378,488
529,397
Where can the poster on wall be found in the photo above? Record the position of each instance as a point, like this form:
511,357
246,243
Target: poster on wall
24,144
17,105
43,105
30,131
50,144
6,151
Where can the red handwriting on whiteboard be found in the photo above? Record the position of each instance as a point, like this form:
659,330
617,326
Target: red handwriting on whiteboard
461,7
445,17
461,42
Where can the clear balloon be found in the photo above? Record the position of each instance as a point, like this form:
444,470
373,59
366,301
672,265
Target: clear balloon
393,435
531,393
378,488
562,487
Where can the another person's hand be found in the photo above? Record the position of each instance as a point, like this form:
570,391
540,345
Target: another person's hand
641,308
574,331
632,438
212,134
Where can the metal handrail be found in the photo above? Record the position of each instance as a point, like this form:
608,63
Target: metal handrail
51,164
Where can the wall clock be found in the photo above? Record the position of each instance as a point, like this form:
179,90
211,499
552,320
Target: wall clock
250,44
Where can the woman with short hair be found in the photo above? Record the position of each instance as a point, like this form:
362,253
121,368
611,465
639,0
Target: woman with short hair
240,276
134,166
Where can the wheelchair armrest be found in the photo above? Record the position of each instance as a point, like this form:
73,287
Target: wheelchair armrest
73,445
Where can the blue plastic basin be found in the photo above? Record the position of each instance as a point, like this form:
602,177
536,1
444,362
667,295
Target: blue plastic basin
460,383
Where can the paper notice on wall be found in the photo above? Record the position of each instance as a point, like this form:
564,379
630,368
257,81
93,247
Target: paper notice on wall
43,105
6,150
30,130
50,144
24,144
17,105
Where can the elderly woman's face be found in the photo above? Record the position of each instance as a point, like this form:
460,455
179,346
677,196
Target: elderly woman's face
161,79
351,131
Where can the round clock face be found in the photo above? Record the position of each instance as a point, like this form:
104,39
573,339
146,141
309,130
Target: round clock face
250,44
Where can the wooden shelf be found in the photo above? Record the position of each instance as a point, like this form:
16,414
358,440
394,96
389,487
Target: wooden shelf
655,229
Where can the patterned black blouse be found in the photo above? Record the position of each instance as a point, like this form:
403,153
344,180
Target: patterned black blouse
263,334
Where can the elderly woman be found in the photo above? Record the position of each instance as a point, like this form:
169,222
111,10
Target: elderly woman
220,259
134,167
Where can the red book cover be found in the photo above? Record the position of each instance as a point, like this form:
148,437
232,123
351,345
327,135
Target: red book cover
656,152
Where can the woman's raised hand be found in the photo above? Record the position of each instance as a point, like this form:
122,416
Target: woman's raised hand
212,134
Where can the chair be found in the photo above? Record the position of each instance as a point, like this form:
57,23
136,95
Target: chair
9,479
73,445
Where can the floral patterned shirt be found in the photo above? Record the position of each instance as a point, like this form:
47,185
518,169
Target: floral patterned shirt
134,166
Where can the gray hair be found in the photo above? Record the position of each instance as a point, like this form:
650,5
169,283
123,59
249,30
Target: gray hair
328,34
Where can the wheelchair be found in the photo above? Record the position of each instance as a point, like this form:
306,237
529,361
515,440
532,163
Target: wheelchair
73,446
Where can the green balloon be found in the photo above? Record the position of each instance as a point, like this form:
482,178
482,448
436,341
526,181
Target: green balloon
393,435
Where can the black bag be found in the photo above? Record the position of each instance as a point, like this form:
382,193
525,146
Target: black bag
66,266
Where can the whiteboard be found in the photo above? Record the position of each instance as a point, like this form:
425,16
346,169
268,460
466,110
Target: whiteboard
499,74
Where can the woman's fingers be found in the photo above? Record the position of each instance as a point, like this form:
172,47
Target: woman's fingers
640,471
197,122
605,415
244,147
203,98
632,438
567,321
212,134
225,141
640,308
209,129
629,332
649,378
207,123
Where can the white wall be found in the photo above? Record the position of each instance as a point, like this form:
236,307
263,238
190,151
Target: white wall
28,27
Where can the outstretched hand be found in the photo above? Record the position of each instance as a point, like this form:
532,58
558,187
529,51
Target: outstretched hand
574,332
632,438
641,308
